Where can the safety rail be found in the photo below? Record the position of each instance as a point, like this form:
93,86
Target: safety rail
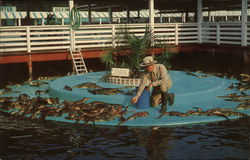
57,37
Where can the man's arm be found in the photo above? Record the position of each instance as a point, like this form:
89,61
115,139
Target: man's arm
145,82
164,76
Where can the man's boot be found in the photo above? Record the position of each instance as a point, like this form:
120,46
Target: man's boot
164,102
171,98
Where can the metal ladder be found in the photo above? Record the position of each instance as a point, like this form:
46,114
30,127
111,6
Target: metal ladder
78,61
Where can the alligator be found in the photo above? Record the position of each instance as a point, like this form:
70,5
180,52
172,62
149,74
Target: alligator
39,92
192,74
133,116
239,100
232,113
68,88
243,106
226,112
174,113
7,90
82,101
235,96
108,91
37,84
88,85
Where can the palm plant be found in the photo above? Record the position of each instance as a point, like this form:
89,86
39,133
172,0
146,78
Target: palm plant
131,49
107,58
165,57
51,19
129,52
138,47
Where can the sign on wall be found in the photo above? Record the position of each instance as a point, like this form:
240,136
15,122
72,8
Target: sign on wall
60,9
120,72
8,8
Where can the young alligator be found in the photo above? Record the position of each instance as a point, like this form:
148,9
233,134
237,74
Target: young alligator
133,116
243,106
88,85
108,91
173,113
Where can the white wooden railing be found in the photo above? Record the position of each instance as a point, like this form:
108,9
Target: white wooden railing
57,37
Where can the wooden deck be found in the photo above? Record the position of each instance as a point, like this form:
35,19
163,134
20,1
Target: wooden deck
57,55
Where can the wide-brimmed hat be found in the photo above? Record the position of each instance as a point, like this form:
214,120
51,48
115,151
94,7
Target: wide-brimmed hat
147,61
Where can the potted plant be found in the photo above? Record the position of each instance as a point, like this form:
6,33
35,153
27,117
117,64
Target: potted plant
131,49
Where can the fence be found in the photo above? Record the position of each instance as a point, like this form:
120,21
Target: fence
57,37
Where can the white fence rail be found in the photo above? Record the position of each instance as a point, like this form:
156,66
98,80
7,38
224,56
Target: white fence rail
40,38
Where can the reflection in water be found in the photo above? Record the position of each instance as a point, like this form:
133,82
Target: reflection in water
25,139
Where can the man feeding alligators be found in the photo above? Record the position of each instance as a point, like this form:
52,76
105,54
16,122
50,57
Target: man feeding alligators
157,78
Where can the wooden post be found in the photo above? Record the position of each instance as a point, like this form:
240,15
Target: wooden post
28,39
128,15
138,16
100,21
183,18
152,18
19,22
151,14
244,23
209,15
0,18
89,14
160,18
110,15
176,34
218,33
199,20
72,37
30,67
113,36
186,16
29,52
246,57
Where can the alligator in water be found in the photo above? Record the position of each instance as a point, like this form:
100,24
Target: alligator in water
88,85
68,88
133,116
173,113
243,106
37,84
39,92
239,100
108,91
234,96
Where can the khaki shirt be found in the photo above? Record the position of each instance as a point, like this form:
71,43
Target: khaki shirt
161,78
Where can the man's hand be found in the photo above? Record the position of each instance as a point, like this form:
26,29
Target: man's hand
134,99
149,87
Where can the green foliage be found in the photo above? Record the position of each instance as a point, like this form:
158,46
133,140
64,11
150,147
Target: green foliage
165,57
130,50
75,18
107,58
51,19
139,46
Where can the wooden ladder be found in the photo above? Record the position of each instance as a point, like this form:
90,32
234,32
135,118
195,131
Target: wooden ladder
78,61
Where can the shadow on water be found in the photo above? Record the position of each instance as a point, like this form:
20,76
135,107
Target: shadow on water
25,139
